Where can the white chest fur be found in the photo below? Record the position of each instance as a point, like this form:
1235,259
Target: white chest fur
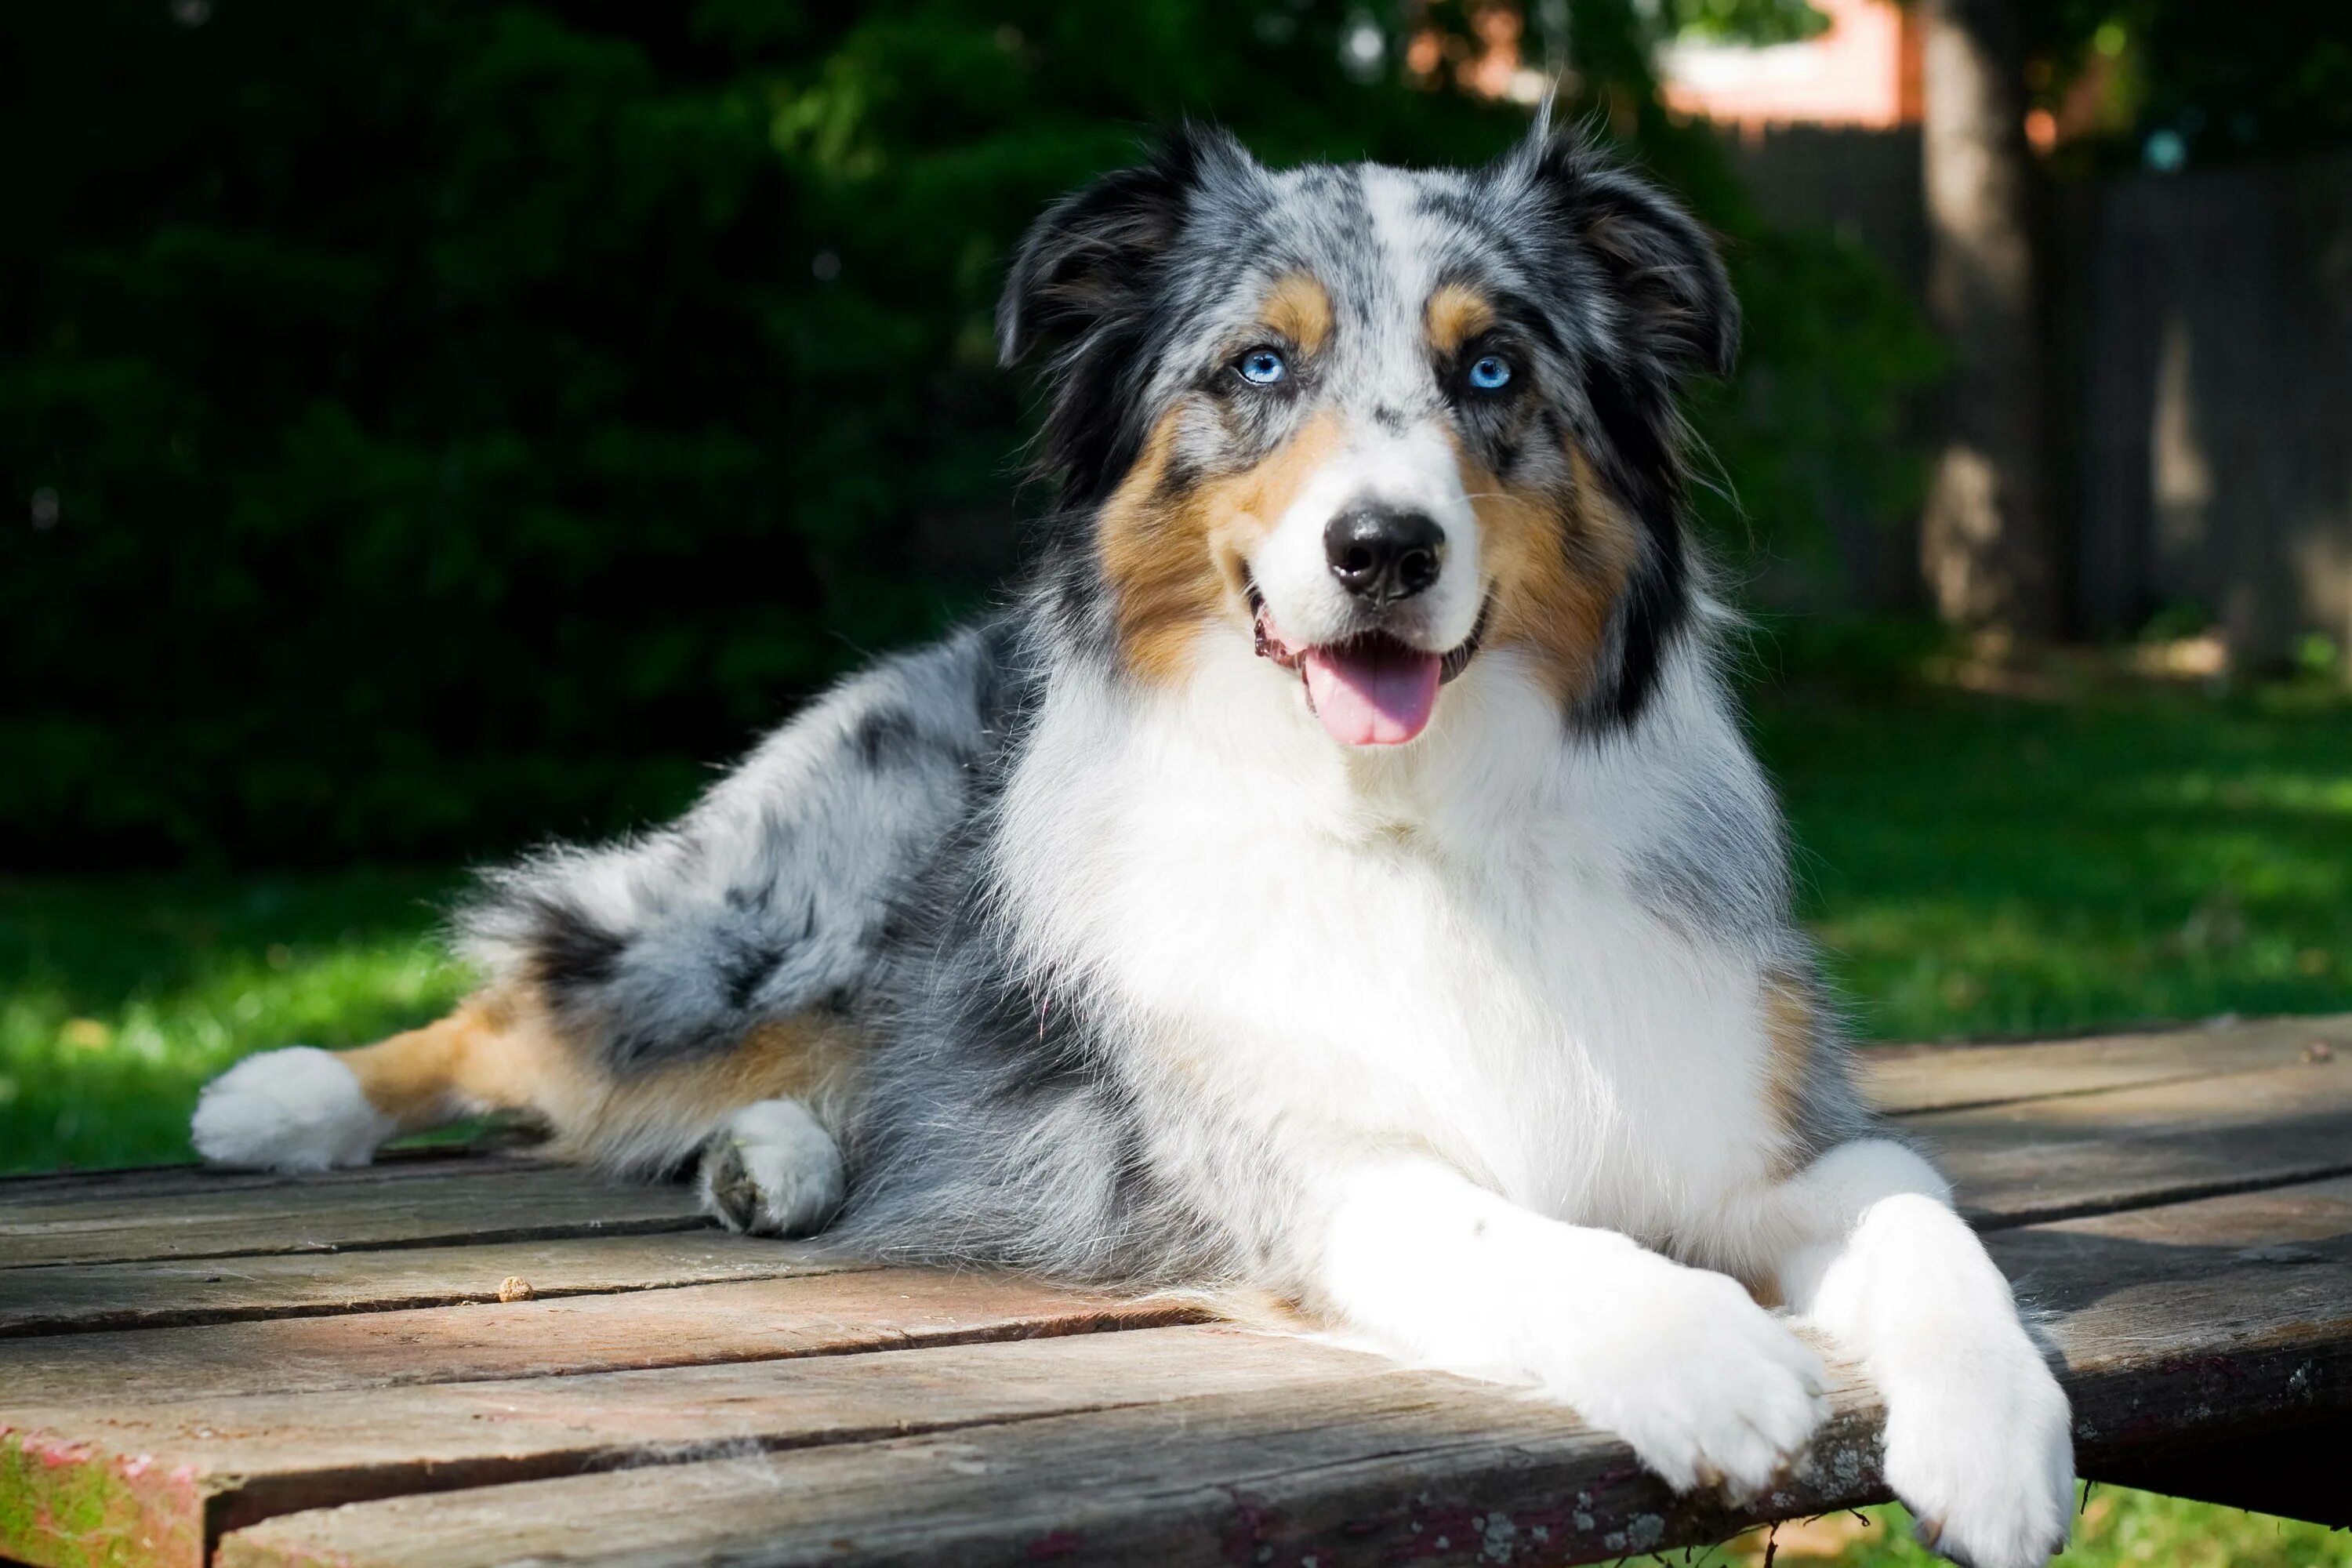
1439,947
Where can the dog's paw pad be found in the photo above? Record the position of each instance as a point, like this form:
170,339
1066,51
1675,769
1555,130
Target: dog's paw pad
773,1170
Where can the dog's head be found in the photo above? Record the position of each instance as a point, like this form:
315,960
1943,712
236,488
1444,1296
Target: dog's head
1374,419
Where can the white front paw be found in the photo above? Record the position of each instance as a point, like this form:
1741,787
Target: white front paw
773,1170
1981,1451
295,1110
1709,1388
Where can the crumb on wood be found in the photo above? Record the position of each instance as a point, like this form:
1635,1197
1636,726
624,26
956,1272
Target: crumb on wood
515,1287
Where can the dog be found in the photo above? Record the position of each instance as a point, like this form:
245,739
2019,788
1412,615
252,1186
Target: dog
1338,870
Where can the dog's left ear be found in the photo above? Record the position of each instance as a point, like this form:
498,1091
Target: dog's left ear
1095,253
1661,264
1087,281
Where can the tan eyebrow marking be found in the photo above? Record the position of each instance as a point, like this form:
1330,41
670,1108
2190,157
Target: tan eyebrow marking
1455,315
1299,307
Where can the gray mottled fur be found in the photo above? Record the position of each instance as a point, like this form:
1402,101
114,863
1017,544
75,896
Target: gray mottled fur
773,896
846,866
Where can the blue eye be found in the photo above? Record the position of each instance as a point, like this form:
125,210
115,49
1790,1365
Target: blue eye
1490,373
1261,367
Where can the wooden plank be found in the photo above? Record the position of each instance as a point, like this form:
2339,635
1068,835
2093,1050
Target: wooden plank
2196,1324
1907,1079
433,1199
757,1319
239,1460
162,1293
1381,1473
2085,1150
2034,1159
25,1190
2015,1161
496,1203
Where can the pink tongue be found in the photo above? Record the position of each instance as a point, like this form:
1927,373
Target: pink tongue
1371,694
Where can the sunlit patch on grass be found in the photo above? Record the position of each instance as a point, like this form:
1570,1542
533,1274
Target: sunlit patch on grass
122,996
1978,865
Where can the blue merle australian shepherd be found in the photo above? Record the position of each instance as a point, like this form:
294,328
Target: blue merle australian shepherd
1337,873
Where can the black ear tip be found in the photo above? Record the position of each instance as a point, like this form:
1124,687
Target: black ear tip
1191,149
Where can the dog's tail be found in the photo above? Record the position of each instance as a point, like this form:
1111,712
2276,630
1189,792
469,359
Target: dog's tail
640,991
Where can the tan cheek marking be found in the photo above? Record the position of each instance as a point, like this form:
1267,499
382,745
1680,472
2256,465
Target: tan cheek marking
1299,309
1455,315
1176,560
1558,565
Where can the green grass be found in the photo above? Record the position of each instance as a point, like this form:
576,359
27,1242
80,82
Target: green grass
1973,865
120,996
2113,1528
1983,865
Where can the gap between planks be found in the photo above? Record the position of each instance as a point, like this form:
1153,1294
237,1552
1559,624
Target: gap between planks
2237,1319
1909,1080
2153,1110
174,1293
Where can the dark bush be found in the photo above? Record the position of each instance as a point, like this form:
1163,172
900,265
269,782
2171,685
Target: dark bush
426,425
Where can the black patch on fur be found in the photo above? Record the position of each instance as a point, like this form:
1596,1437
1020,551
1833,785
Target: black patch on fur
752,898
570,953
1086,279
887,739
1641,467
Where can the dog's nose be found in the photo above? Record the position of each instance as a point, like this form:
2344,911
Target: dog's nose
1382,554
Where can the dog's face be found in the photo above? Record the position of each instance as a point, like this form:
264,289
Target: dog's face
1374,420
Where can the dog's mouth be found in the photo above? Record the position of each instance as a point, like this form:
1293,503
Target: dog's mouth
1371,689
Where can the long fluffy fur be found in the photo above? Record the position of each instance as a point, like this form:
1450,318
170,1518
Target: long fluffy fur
1500,1049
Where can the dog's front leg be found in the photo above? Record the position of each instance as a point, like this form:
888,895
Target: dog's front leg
1707,1386
1978,1439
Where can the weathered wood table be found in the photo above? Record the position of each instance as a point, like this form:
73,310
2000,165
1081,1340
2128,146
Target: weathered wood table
257,1370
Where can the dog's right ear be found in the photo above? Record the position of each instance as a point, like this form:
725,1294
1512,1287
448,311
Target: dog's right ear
1096,252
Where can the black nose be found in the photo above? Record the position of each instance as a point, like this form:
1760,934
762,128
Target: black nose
1381,554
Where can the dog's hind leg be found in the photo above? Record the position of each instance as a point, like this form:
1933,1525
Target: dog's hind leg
302,1109
651,996
753,1111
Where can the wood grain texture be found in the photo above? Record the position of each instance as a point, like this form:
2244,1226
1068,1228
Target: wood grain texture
1906,1079
2020,1157
239,1219
311,1364
161,1292
2044,1158
42,1188
2198,1324
693,1325
2164,1346
248,1459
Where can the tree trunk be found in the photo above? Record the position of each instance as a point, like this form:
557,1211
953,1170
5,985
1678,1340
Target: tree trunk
1985,542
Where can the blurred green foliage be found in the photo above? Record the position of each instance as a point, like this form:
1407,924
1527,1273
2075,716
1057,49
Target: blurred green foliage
426,424
2266,78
